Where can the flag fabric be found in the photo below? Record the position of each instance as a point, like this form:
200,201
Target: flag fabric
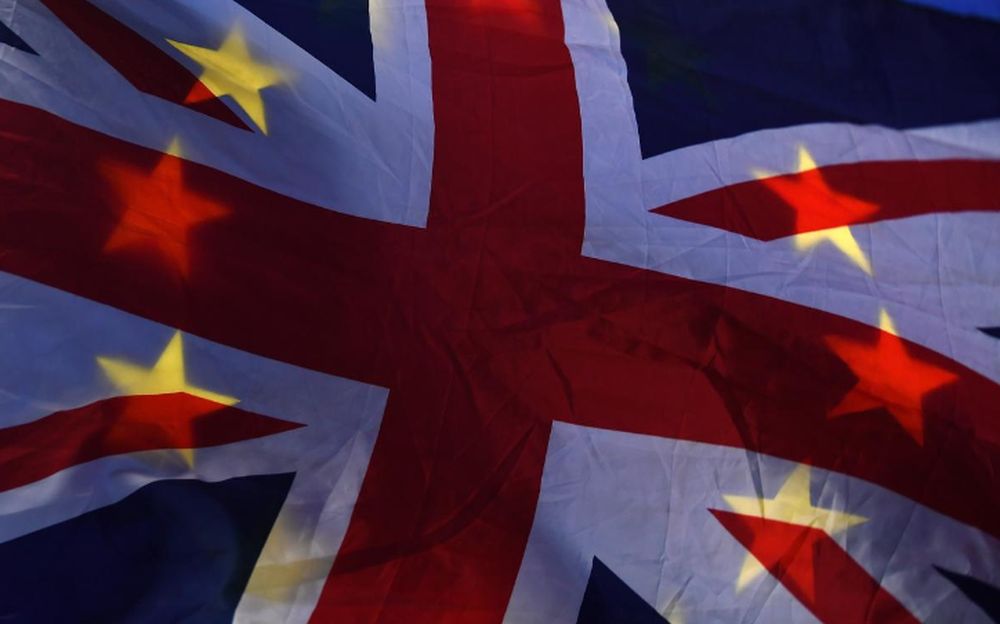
523,311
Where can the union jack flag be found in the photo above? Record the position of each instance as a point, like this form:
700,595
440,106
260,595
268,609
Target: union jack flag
482,311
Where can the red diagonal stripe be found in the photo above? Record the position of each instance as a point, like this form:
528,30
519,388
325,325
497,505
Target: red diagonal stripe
43,447
816,570
784,205
148,68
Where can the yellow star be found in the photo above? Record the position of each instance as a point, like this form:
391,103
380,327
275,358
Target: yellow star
885,323
165,377
282,568
281,582
811,197
792,504
174,148
842,238
232,71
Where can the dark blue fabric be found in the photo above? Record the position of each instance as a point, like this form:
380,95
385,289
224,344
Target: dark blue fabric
985,596
991,331
989,9
700,71
608,600
335,32
9,37
174,551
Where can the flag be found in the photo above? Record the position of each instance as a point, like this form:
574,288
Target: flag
579,311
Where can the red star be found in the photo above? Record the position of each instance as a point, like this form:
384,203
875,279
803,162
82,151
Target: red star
890,378
159,211
817,205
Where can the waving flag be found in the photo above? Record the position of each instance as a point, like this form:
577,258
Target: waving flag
579,311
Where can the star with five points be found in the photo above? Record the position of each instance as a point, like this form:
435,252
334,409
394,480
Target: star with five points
814,202
141,224
231,70
793,505
168,375
888,377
